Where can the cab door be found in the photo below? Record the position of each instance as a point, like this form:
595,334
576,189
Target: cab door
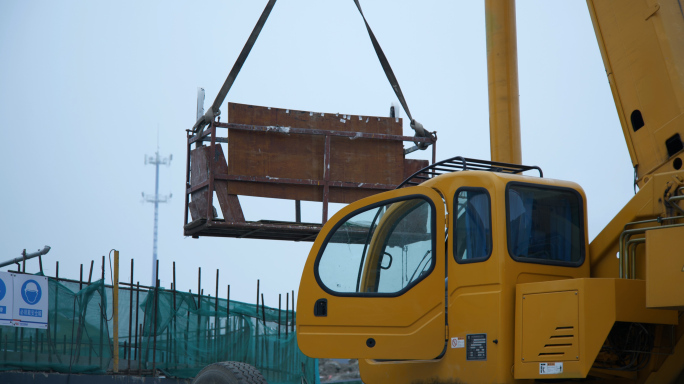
373,284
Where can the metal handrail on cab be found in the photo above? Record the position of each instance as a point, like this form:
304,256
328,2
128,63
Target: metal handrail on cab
460,163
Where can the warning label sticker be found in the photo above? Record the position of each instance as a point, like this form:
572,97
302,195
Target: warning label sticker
550,368
457,342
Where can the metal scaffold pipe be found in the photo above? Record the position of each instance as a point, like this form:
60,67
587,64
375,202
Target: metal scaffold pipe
26,256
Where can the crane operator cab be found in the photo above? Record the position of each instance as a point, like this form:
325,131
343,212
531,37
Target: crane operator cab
374,284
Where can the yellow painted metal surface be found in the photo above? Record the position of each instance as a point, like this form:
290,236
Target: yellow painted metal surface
502,74
550,325
600,303
480,296
485,298
648,203
665,268
408,326
642,45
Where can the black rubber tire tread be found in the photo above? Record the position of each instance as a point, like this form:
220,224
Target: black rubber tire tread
229,372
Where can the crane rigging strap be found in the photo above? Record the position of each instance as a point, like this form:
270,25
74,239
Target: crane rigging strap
416,126
214,110
385,64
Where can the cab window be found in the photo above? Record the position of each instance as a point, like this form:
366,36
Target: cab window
381,250
545,224
472,225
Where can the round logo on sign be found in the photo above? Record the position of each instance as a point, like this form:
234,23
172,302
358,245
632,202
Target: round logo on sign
3,289
31,292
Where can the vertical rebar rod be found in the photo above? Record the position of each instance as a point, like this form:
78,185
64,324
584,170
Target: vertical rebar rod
54,323
130,318
187,337
115,311
21,345
154,327
35,356
174,349
280,302
137,310
199,316
287,313
143,325
37,346
140,348
174,318
135,348
103,318
90,275
199,289
175,286
217,319
263,311
168,349
102,276
257,300
217,293
228,318
256,331
80,279
293,312
199,305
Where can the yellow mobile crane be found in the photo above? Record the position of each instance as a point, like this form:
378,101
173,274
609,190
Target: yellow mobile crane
527,296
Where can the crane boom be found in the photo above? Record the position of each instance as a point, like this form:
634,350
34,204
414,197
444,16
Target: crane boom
642,45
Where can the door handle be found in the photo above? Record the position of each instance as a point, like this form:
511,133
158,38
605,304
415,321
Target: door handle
321,308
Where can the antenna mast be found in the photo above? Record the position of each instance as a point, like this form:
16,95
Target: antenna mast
156,160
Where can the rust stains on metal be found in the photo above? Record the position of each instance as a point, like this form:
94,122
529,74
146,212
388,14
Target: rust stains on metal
288,154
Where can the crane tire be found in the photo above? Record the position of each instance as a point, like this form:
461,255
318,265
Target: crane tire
229,372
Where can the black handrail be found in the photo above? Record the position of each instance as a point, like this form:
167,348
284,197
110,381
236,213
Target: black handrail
460,163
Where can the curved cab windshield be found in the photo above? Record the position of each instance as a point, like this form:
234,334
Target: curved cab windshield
384,249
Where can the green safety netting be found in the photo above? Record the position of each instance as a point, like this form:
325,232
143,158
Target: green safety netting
77,339
191,335
177,333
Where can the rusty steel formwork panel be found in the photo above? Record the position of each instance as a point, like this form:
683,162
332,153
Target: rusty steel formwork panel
288,154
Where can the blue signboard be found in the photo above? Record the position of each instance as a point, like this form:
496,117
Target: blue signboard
6,297
30,301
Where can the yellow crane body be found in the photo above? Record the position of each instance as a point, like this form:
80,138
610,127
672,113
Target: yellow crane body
642,45
488,276
541,306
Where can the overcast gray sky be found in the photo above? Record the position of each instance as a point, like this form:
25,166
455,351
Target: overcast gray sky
85,84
